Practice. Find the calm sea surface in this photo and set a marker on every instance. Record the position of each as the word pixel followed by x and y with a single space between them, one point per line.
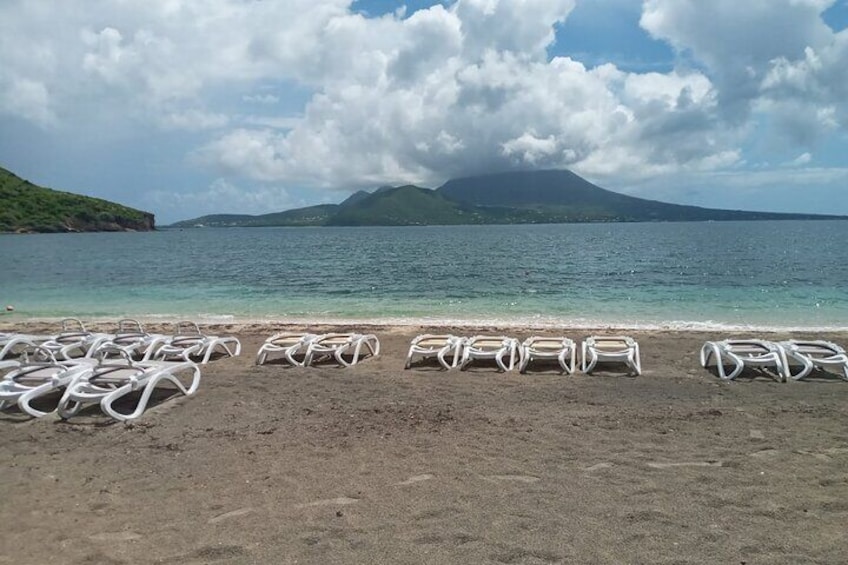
pixel 678 275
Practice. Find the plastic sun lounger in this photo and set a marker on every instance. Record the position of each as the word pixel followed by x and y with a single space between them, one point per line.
pixel 113 379
pixel 440 346
pixel 812 354
pixel 132 340
pixel 74 340
pixel 13 344
pixel 560 348
pixel 337 345
pixel 742 353
pixel 188 342
pixel 290 344
pixel 31 379
pixel 621 349
pixel 490 347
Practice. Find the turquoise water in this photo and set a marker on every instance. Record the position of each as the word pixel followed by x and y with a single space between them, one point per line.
pixel 677 275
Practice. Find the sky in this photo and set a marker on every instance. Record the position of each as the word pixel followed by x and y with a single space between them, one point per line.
pixel 191 107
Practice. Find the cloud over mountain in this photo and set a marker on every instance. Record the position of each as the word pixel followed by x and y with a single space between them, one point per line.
pixel 319 95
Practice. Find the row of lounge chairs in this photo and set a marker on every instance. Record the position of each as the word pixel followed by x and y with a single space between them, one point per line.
pixel 95 367
pixel 187 343
pixel 89 367
pixel 780 357
pixel 452 351
pixel 304 349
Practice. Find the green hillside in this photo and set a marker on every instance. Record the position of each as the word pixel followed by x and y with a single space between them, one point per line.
pixel 309 216
pixel 506 198
pixel 31 208
pixel 401 206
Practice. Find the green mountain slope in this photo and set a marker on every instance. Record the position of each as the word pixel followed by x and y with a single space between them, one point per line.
pixel 505 198
pixel 309 216
pixel 562 196
pixel 27 207
pixel 401 206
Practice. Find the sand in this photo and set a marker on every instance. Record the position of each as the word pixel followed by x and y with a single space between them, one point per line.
pixel 374 464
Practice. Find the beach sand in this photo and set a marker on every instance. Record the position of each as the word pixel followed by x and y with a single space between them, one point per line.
pixel 375 464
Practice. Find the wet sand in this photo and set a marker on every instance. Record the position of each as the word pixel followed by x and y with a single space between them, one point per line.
pixel 376 464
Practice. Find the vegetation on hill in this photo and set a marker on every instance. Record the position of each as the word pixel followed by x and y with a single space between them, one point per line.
pixel 309 216
pixel 505 198
pixel 401 206
pixel 31 208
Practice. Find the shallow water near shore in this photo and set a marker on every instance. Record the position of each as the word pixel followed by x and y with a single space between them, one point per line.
pixel 774 275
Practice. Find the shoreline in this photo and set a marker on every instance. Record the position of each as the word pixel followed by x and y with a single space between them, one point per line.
pixel 12 321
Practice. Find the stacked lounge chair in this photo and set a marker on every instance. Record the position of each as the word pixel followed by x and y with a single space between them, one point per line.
pixel 741 354
pixel 503 349
pixel 292 345
pixel 37 373
pixel 441 346
pixel 188 343
pixel 114 378
pixel 562 349
pixel 615 349
pixel 813 354
pixel 346 348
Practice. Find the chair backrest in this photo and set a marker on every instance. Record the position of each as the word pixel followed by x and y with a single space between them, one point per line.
pixel 72 325
pixel 129 326
pixel 186 327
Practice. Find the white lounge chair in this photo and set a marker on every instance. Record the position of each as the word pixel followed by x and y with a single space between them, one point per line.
pixel 439 346
pixel 337 345
pixel 74 340
pixel 812 354
pixel 290 344
pixel 562 349
pixel 742 353
pixel 113 379
pixel 189 342
pixel 12 344
pixel 614 349
pixel 490 347
pixel 132 339
pixel 35 375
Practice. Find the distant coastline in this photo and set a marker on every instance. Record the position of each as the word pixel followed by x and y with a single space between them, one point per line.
pixel 520 197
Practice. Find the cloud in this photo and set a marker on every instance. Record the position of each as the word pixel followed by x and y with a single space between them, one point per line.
pixel 221 196
pixel 776 57
pixel 314 94
pixel 800 160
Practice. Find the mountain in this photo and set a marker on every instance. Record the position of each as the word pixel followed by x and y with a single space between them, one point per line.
pixel 400 206
pixel 29 208
pixel 549 196
pixel 562 196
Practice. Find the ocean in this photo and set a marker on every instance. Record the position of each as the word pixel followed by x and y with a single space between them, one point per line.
pixel 702 275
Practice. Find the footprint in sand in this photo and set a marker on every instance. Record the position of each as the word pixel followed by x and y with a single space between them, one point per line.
pixel 415 479
pixel 340 501
pixel 231 514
